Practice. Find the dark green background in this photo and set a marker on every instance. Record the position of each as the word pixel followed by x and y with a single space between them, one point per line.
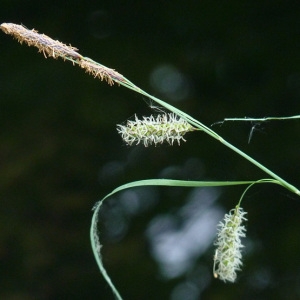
pixel 60 152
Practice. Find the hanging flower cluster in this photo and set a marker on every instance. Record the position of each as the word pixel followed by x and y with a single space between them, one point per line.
pixel 228 255
pixel 168 128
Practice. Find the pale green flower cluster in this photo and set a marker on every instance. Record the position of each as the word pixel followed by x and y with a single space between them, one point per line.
pixel 228 255
pixel 168 128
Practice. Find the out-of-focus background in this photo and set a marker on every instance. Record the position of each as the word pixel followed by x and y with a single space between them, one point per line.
pixel 60 151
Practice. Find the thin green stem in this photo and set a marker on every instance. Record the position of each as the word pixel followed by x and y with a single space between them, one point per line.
pixel 266 180
pixel 246 119
pixel 262 167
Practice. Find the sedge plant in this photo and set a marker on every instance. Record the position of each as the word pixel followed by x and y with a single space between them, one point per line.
pixel 166 127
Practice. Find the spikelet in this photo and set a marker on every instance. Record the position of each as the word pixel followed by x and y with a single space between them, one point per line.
pixel 228 255
pixel 99 71
pixel 55 49
pixel 164 128
pixel 46 45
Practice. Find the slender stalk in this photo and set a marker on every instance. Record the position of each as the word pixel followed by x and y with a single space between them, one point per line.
pixel 246 119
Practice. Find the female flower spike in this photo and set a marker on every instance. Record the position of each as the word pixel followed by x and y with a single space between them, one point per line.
pixel 228 255
pixel 168 128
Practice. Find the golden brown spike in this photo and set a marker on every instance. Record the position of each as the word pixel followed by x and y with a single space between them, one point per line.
pixel 55 49
pixel 46 45
pixel 101 72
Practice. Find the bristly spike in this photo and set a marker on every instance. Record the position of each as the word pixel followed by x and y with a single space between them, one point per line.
pixel 228 257
pixel 155 130
pixel 45 44
pixel 55 49
pixel 99 71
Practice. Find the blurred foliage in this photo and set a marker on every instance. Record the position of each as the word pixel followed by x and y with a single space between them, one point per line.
pixel 60 152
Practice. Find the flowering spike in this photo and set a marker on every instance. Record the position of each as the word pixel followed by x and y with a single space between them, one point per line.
pixel 45 44
pixel 55 49
pixel 166 127
pixel 227 259
pixel 99 71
